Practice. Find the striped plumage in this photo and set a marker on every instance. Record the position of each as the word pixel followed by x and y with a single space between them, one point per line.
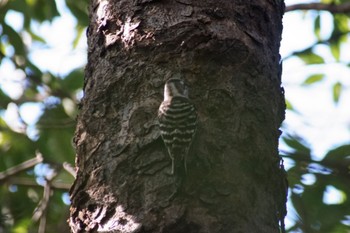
pixel 177 121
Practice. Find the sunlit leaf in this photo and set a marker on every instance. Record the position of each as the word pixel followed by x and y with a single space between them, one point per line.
pixel 317 27
pixel 341 23
pixel 80 32
pixel 340 228
pixel 313 79
pixel 36 37
pixel 309 57
pixel 22 226
pixel 289 105
pixel 337 89
pixel 335 49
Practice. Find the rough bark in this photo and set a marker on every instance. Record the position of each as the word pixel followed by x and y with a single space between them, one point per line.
pixel 228 53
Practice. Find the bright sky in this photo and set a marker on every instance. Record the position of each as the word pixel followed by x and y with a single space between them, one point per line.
pixel 321 122
pixel 57 56
pixel 317 119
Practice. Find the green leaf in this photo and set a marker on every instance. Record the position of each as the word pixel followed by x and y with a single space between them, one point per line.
pixel 14 39
pixel 40 10
pixel 341 23
pixel 56 130
pixel 80 33
pixel 309 57
pixel 14 147
pixel 33 72
pixel 79 10
pixel 36 37
pixel 313 79
pixel 338 154
pixel 298 144
pixel 20 5
pixel 22 226
pixel 337 89
pixel 289 105
pixel 45 10
pixel 335 50
pixel 73 81
pixel 317 27
pixel 4 100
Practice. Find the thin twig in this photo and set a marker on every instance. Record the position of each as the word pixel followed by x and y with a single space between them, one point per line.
pixel 21 167
pixel 70 169
pixel 31 183
pixel 41 211
pixel 42 224
pixel 339 8
pixel 334 167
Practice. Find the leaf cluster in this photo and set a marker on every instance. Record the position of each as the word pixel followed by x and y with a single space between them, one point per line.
pixel 314 182
pixel 334 42
pixel 52 99
pixel 310 181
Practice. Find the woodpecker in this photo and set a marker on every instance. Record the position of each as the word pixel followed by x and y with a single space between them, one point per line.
pixel 177 121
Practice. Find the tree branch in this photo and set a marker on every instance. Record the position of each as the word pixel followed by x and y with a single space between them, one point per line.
pixel 332 8
pixel 21 167
pixel 31 183
pixel 333 167
pixel 41 210
pixel 70 169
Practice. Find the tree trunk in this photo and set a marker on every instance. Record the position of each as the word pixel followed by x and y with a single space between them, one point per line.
pixel 228 54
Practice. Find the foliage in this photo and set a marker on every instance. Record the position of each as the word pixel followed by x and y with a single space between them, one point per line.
pixel 334 41
pixel 319 187
pixel 33 152
pixel 23 143
pixel 310 183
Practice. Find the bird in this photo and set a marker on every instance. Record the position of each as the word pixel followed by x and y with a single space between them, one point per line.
pixel 177 122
